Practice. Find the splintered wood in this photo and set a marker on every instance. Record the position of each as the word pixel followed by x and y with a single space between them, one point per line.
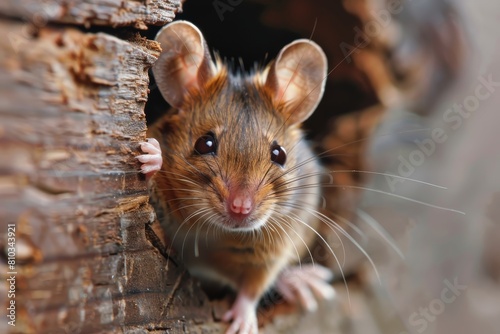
pixel 137 13
pixel 71 119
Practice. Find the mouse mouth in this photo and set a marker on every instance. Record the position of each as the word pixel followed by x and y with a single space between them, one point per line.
pixel 242 223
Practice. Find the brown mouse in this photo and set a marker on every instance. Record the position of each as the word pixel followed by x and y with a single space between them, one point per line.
pixel 230 167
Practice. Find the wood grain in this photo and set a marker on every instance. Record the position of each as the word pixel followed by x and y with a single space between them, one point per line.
pixel 136 13
pixel 72 116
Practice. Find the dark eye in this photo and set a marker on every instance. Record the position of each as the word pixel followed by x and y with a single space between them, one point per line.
pixel 206 145
pixel 278 155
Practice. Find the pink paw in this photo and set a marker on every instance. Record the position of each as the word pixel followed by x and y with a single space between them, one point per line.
pixel 243 314
pixel 152 161
pixel 302 284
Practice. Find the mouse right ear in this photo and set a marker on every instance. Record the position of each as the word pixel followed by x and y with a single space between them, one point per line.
pixel 184 63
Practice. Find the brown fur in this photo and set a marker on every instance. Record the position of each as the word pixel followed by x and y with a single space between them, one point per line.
pixel 246 120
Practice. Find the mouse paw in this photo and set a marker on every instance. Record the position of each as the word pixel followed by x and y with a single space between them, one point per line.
pixel 152 161
pixel 302 283
pixel 243 316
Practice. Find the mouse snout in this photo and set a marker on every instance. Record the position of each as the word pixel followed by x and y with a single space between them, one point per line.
pixel 240 204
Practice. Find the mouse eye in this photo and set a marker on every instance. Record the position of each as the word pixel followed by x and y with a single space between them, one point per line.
pixel 278 155
pixel 206 144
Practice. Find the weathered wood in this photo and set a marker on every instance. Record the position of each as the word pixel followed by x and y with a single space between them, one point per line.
pixel 137 13
pixel 71 111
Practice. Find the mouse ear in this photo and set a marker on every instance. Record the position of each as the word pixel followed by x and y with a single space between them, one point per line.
pixel 184 62
pixel 297 77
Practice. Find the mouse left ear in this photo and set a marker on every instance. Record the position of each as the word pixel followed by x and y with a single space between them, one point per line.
pixel 297 78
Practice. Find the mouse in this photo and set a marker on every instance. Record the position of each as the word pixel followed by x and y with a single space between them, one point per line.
pixel 230 169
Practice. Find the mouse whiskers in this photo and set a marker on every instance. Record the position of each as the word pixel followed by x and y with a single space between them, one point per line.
pixel 299 220
pixel 279 225
pixel 198 228
pixel 203 213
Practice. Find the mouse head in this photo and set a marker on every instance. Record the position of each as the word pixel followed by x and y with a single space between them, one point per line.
pixel 232 145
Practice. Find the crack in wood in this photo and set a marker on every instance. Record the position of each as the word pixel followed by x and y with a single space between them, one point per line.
pixel 174 290
pixel 156 243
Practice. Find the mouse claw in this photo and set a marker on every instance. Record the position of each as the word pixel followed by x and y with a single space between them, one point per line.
pixel 243 316
pixel 152 161
pixel 305 284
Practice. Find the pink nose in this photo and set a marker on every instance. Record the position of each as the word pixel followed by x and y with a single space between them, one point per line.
pixel 241 204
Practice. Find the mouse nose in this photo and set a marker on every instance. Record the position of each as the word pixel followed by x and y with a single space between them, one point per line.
pixel 241 204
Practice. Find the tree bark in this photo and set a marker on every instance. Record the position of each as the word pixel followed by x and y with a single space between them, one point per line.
pixel 137 13
pixel 88 257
